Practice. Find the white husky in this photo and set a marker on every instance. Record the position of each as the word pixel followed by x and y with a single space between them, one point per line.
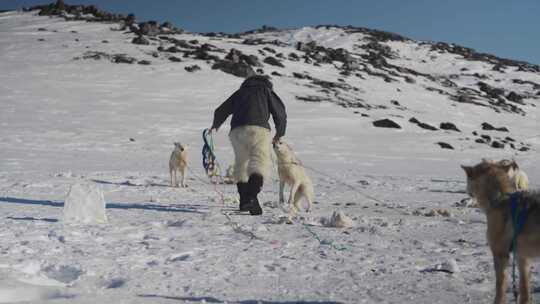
pixel 178 162
pixel 291 172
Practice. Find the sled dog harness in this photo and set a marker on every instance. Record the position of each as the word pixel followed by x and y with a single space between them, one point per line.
pixel 518 210
pixel 209 161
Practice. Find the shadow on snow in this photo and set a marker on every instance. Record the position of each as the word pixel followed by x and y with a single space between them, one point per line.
pixel 186 208
pixel 214 300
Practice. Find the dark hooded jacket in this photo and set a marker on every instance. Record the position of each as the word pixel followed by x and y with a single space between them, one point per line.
pixel 252 104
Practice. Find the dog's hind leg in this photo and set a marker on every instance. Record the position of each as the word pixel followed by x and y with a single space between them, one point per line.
pixel 292 196
pixel 281 192
pixel 524 279
pixel 309 200
pixel 298 198
pixel 183 177
pixel 500 262
pixel 171 174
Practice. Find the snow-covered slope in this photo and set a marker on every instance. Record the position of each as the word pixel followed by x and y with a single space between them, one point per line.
pixel 66 117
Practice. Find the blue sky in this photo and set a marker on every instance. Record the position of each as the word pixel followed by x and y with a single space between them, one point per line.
pixel 506 28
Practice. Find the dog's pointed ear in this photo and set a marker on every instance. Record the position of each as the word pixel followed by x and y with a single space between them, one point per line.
pixel 468 170
pixel 514 164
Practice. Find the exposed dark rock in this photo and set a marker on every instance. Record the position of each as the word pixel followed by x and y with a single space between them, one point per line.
pixel 523 149
pixel 173 49
pixel 515 97
pixel 471 54
pixel 534 84
pixel 379 49
pixel 422 125
pixel 273 61
pixel 42 29
pixel 168 28
pixel 498 67
pixel 174 59
pixel 448 83
pixel 276 74
pixel 489 90
pixel 140 40
pixel 331 85
pixel 144 62
pixel 252 60
pixel 179 42
pixel 445 145
pixel 496 144
pixel 96 55
pixel 312 98
pixel 487 138
pixel 192 68
pixel 480 141
pixel 488 127
pixel 293 57
pixel 201 53
pixel 149 28
pixel 268 49
pixel 306 47
pixel 237 56
pixel 260 71
pixel 386 123
pixel 448 126
pixel 508 138
pixel 237 69
pixel 104 41
pixel 301 76
pixel 123 58
pixel 258 41
pixel 377 35
pixel 409 79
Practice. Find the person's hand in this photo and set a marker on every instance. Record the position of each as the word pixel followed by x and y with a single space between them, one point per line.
pixel 211 131
pixel 276 139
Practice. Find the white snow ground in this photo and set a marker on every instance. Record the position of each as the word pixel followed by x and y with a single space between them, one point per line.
pixel 63 121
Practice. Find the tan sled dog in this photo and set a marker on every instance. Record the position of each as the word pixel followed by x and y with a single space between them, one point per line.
pixel 291 172
pixel 516 174
pixel 489 183
pixel 178 162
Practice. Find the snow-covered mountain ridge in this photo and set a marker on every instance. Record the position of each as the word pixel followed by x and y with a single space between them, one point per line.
pixel 372 72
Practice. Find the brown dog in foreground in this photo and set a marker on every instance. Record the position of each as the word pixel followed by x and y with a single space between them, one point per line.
pixel 489 183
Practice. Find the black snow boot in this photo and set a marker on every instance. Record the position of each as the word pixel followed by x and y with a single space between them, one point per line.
pixel 244 197
pixel 255 184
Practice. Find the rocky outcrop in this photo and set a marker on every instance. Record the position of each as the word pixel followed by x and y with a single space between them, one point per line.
pixel 445 145
pixel 471 54
pixel 238 69
pixel 422 125
pixel 273 61
pixel 386 123
pixel 448 126
pixel 488 127
pixel 140 40
pixel 192 68
pixel 236 56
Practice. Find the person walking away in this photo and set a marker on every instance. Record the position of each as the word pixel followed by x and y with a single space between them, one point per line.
pixel 251 107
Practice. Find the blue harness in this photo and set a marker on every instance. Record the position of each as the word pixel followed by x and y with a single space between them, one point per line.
pixel 519 215
pixel 518 208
